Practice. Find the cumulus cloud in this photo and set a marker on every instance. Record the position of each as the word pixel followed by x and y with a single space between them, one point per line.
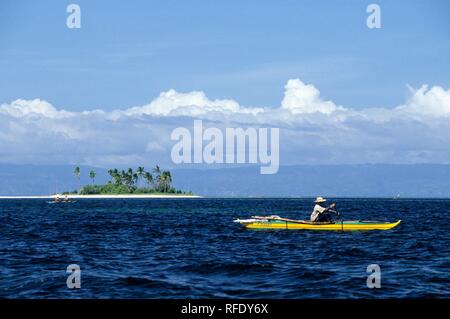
pixel 312 129
pixel 428 102
pixel 300 98
pixel 173 103
pixel 36 107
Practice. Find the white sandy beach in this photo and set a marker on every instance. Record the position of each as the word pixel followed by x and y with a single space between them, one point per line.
pixel 101 196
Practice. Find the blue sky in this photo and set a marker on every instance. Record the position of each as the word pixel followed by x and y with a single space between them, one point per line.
pixel 112 92
pixel 125 54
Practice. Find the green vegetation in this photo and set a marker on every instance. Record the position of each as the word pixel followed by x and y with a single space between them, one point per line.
pixel 129 182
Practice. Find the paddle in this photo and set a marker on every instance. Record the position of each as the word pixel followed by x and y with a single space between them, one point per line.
pixel 339 217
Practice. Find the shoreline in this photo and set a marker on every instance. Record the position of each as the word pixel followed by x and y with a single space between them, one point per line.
pixel 118 196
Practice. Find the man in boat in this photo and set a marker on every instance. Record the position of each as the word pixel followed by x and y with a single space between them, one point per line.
pixel 320 213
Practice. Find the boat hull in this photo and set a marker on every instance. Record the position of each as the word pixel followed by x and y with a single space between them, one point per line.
pixel 337 226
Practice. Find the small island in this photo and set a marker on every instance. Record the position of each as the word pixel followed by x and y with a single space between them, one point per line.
pixel 128 184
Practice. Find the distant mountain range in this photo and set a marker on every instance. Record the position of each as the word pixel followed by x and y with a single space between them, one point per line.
pixel 378 180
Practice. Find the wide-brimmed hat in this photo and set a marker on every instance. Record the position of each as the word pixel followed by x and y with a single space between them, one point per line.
pixel 320 200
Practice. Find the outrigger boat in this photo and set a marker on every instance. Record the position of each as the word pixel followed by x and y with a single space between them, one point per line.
pixel 277 222
pixel 62 202
pixel 58 200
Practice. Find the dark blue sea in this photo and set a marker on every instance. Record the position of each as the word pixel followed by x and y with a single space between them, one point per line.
pixel 190 248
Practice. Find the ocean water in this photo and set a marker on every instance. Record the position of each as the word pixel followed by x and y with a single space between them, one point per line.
pixel 190 248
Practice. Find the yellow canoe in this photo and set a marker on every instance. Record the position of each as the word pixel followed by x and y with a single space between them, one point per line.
pixel 348 225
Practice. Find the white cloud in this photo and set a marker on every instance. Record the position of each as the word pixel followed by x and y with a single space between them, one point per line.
pixel 172 103
pixel 429 102
pixel 313 130
pixel 36 107
pixel 300 98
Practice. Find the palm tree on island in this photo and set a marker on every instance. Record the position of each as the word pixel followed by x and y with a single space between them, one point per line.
pixel 166 181
pixel 149 178
pixel 77 173
pixel 158 172
pixel 140 172
pixel 92 175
